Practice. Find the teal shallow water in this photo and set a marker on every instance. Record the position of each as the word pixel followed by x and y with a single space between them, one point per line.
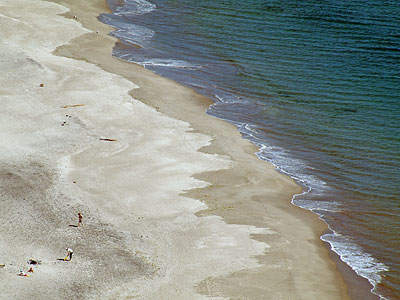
pixel 315 84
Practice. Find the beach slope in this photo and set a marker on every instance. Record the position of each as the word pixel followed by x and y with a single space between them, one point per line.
pixel 175 204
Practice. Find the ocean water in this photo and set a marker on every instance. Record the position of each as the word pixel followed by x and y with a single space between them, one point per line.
pixel 315 84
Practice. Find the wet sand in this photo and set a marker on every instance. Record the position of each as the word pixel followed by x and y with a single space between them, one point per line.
pixel 175 204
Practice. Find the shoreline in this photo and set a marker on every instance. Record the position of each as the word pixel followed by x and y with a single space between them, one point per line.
pixel 352 276
pixel 253 200
pixel 206 102
pixel 359 287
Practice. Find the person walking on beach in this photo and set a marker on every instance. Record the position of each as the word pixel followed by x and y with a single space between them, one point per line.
pixel 69 254
pixel 80 219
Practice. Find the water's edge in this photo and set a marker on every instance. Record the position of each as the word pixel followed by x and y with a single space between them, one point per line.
pixel 349 253
pixel 350 275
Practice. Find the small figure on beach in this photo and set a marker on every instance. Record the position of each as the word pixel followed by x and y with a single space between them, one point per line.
pixel 80 219
pixel 22 273
pixel 30 270
pixel 69 254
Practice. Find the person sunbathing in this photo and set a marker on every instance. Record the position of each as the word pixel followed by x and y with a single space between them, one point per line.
pixel 22 273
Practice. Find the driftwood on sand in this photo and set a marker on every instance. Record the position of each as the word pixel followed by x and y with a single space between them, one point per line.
pixel 73 105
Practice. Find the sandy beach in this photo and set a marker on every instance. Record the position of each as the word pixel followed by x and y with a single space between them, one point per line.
pixel 175 203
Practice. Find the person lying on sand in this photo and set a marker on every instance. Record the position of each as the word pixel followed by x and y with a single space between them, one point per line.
pixel 22 273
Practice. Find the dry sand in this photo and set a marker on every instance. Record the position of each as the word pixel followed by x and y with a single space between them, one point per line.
pixel 178 207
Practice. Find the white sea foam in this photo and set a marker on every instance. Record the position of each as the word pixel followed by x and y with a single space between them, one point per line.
pixel 281 159
pixel 284 162
pixel 129 32
pixel 318 207
pixel 361 262
pixel 135 7
pixel 168 63
pixel 230 98
pixel 364 264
